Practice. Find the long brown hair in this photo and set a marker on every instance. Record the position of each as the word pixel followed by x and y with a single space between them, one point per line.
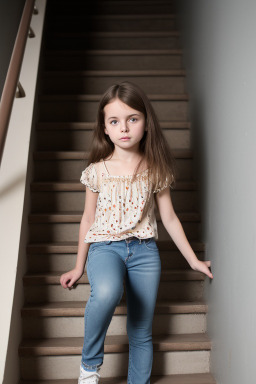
pixel 153 147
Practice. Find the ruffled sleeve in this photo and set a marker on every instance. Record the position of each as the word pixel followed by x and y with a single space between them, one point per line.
pixel 89 178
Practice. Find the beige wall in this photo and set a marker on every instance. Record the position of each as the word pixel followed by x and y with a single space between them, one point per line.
pixel 15 178
pixel 220 58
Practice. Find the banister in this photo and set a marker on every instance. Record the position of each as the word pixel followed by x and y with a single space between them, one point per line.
pixel 13 73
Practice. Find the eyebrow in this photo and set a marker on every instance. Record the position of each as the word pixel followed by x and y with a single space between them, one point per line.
pixel 133 114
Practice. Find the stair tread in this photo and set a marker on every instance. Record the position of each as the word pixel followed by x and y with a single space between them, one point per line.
pixel 77 186
pixel 192 378
pixel 79 155
pixel 112 344
pixel 84 97
pixel 110 52
pixel 125 72
pixel 53 278
pixel 76 308
pixel 75 217
pixel 106 34
pixel 71 247
pixel 130 16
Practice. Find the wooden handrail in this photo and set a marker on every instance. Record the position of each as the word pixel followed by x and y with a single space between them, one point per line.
pixel 13 73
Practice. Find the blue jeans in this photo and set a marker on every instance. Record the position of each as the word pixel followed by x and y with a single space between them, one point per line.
pixel 108 263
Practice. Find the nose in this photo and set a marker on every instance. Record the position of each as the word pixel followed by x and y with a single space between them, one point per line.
pixel 124 127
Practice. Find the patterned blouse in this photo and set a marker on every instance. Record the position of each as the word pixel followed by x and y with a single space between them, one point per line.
pixel 120 206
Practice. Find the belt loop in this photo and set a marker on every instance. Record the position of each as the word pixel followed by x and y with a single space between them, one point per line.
pixel 140 241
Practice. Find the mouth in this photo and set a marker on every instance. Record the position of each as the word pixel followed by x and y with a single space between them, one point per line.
pixel 125 138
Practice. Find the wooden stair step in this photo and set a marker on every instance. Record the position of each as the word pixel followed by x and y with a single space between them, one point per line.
pixel 72 246
pixel 110 52
pixel 168 16
pixel 113 344
pixel 62 186
pixel 53 278
pixel 76 308
pixel 192 378
pixel 82 97
pixel 131 34
pixel 75 217
pixel 109 73
pixel 80 155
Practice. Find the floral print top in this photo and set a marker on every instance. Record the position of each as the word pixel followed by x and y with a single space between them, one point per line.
pixel 120 206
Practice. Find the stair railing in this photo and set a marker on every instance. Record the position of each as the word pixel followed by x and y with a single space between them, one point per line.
pixel 12 78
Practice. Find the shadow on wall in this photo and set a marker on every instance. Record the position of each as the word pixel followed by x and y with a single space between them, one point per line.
pixel 10 15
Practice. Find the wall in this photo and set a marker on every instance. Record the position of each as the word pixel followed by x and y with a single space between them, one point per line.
pixel 10 15
pixel 220 58
pixel 15 178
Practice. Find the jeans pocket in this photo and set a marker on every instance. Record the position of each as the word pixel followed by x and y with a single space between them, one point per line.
pixel 97 245
pixel 150 244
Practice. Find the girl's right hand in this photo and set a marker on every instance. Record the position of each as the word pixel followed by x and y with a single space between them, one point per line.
pixel 69 278
pixel 203 266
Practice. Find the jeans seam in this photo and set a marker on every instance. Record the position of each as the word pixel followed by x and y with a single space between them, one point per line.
pixel 130 364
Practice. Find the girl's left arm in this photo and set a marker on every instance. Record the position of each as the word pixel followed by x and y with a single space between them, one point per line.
pixel 173 226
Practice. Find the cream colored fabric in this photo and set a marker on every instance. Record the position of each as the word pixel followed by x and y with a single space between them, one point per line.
pixel 120 209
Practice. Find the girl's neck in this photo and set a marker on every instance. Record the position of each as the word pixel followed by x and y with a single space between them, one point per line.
pixel 116 166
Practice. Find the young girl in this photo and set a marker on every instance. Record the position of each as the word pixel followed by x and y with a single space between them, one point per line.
pixel 130 169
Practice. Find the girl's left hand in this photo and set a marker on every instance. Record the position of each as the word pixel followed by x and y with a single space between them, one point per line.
pixel 202 266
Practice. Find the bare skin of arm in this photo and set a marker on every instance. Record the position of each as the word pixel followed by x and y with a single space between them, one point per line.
pixel 173 226
pixel 69 278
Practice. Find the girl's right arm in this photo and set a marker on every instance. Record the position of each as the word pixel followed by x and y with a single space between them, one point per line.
pixel 69 278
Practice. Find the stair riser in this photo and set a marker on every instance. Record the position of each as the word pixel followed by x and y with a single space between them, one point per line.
pixel 94 42
pixel 114 24
pixel 55 232
pixel 113 62
pixel 51 263
pixel 99 84
pixel 48 327
pixel 86 111
pixel 115 364
pixel 81 140
pixel 63 170
pixel 178 290
pixel 59 201
pixel 115 8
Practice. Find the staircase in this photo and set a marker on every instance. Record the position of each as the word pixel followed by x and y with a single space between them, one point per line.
pixel 88 47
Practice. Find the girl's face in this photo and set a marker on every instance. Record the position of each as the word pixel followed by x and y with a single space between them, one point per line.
pixel 123 121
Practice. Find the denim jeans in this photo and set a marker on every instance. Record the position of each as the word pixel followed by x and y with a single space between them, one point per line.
pixel 108 264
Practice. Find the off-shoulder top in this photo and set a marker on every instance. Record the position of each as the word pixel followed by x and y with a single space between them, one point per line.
pixel 121 211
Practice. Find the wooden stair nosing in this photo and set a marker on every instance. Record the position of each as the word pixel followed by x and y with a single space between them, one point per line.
pixel 73 125
pixel 84 97
pixel 53 278
pixel 191 378
pixel 113 344
pixel 118 34
pixel 70 247
pixel 114 73
pixel 76 308
pixel 122 2
pixel 80 155
pixel 67 186
pixel 75 217
pixel 122 16
pixel 114 52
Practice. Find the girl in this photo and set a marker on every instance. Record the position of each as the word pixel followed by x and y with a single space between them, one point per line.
pixel 130 169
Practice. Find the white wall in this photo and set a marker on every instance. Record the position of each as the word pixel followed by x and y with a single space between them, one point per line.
pixel 220 58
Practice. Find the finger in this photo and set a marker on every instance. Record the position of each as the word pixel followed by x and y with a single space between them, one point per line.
pixel 210 274
pixel 208 263
pixel 70 285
